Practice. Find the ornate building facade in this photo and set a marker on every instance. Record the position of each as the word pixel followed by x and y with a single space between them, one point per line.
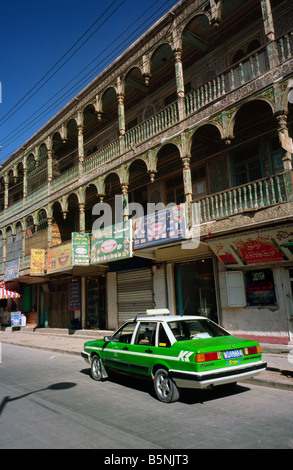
pixel 198 111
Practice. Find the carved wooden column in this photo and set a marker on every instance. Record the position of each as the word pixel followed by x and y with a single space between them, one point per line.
pixel 81 216
pixel 187 179
pixel 124 188
pixel 269 30
pixel 80 149
pixel 179 83
pixel 49 168
pixel 121 114
pixel 49 220
pixel 5 192
pixel 287 145
pixel 285 140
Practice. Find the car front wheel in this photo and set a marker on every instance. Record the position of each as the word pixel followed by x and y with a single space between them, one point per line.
pixel 96 368
pixel 165 388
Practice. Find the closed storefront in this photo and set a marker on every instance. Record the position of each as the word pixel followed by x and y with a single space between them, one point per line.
pixel 134 292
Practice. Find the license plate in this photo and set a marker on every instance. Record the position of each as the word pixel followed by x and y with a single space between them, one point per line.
pixel 232 354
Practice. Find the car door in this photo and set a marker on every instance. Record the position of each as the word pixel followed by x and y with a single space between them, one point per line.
pixel 116 352
pixel 141 351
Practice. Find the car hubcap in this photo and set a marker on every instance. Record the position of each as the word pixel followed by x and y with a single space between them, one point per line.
pixel 163 386
pixel 96 368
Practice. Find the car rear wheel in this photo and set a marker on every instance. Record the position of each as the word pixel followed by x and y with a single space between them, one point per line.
pixel 96 368
pixel 165 388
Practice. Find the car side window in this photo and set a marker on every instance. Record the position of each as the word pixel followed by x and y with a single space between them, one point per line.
pixel 146 334
pixel 125 333
pixel 163 338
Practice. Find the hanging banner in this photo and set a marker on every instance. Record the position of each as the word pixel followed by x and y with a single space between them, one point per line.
pixel 262 247
pixel 161 227
pixel 74 294
pixel 112 243
pixel 37 265
pixel 59 258
pixel 80 249
pixel 11 270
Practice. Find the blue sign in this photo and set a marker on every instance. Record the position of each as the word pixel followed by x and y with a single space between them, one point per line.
pixel 15 318
pixel 160 227
pixel 11 270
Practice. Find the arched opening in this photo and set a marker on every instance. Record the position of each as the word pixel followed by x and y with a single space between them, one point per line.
pixel 91 198
pixel 138 184
pixel 208 175
pixel 112 189
pixel 255 150
pixel 170 175
pixel 91 127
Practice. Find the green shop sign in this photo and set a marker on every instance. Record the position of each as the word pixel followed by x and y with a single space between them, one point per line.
pixel 80 249
pixel 112 243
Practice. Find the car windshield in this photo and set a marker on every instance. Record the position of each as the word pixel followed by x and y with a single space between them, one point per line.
pixel 196 329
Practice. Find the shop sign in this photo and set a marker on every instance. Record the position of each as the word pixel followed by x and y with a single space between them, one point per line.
pixel 74 293
pixel 160 227
pixel 59 258
pixel 262 247
pixel 11 270
pixel 80 249
pixel 260 288
pixel 15 318
pixel 37 265
pixel 112 243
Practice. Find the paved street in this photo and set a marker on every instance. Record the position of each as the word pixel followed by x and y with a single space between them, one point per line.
pixel 48 400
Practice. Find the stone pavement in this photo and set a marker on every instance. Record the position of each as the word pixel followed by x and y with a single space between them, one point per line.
pixel 279 358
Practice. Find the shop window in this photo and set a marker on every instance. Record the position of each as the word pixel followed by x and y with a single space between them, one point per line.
pixel 260 287
pixel 195 289
pixel 246 165
pixel 96 313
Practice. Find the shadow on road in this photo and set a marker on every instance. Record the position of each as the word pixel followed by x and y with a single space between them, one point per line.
pixel 58 386
pixel 189 397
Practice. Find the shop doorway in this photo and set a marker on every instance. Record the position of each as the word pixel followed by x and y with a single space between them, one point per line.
pixel 96 312
pixel 195 289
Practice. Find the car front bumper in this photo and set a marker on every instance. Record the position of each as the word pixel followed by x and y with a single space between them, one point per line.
pixel 85 356
pixel 208 379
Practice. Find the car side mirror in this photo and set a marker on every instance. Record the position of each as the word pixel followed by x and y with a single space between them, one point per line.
pixel 107 338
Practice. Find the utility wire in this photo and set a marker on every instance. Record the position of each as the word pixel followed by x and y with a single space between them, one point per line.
pixel 52 68
pixel 6 140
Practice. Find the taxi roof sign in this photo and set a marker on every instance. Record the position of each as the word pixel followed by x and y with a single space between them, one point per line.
pixel 158 311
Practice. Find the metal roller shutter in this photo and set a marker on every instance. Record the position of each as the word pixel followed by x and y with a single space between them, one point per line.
pixel 135 293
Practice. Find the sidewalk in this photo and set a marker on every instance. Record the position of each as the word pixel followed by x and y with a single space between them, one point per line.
pixel 279 358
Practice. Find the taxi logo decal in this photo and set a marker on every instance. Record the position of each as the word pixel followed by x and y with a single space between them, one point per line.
pixel 184 356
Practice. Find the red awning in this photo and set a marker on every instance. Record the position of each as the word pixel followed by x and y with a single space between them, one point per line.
pixel 8 294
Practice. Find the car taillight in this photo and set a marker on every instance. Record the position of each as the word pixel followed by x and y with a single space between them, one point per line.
pixel 252 350
pixel 205 357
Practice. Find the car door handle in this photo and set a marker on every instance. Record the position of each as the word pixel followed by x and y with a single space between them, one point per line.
pixel 125 348
pixel 148 350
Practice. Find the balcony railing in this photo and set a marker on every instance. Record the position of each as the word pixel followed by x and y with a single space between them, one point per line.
pixel 241 73
pixel 252 196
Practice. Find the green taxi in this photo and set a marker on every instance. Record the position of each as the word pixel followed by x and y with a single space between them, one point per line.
pixel 174 352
